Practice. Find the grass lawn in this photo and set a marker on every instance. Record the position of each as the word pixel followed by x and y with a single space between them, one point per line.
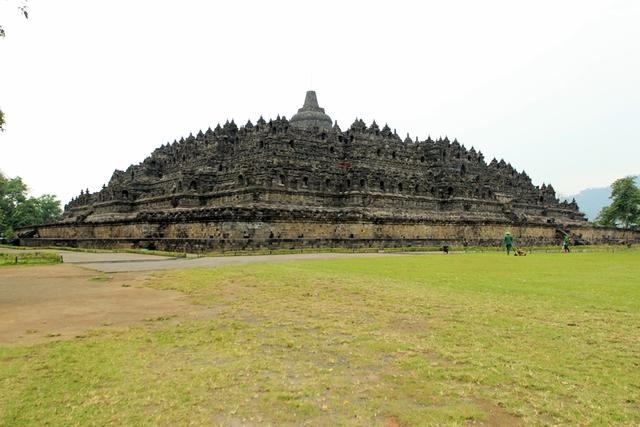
pixel 414 340
pixel 29 258
pixel 92 250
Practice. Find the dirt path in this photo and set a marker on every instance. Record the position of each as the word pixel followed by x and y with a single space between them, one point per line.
pixel 54 302
pixel 110 262
pixel 44 303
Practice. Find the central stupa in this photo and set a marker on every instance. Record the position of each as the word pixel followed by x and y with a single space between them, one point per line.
pixel 311 114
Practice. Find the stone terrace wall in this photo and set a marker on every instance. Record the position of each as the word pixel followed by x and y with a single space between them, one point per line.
pixel 199 236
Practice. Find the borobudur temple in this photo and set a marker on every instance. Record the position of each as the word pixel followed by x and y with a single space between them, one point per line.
pixel 304 183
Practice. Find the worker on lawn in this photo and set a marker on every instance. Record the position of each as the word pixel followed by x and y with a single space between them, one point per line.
pixel 508 241
pixel 565 244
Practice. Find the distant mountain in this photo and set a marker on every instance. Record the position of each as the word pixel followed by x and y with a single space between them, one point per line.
pixel 592 200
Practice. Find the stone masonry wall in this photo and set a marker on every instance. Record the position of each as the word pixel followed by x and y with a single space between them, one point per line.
pixel 239 235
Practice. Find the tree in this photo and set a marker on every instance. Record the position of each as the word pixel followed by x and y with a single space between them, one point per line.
pixel 18 210
pixel 22 6
pixel 625 207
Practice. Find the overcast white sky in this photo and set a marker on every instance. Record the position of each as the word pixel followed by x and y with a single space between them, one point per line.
pixel 551 86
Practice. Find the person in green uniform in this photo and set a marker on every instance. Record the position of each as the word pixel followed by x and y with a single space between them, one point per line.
pixel 565 243
pixel 508 241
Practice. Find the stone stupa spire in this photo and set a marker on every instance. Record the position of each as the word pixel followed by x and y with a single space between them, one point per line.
pixel 311 115
pixel 311 102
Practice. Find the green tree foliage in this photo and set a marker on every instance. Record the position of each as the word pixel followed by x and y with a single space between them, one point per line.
pixel 18 210
pixel 22 7
pixel 625 207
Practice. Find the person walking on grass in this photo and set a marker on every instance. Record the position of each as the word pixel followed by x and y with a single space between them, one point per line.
pixel 565 244
pixel 508 241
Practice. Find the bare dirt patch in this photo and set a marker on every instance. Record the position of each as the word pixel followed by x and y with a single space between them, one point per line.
pixel 496 415
pixel 392 422
pixel 45 303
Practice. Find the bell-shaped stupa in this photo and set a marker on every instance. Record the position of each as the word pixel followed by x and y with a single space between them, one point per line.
pixel 311 115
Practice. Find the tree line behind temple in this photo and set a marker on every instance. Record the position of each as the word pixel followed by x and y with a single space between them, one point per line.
pixel 19 210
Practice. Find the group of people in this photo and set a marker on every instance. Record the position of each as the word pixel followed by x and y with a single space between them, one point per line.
pixel 508 242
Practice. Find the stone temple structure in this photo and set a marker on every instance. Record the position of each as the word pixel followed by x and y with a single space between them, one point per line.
pixel 305 182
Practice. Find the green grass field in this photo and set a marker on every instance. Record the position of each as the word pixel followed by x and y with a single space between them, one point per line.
pixel 92 250
pixel 547 339
pixel 29 258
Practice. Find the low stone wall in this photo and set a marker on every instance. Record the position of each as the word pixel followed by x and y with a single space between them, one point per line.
pixel 225 234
